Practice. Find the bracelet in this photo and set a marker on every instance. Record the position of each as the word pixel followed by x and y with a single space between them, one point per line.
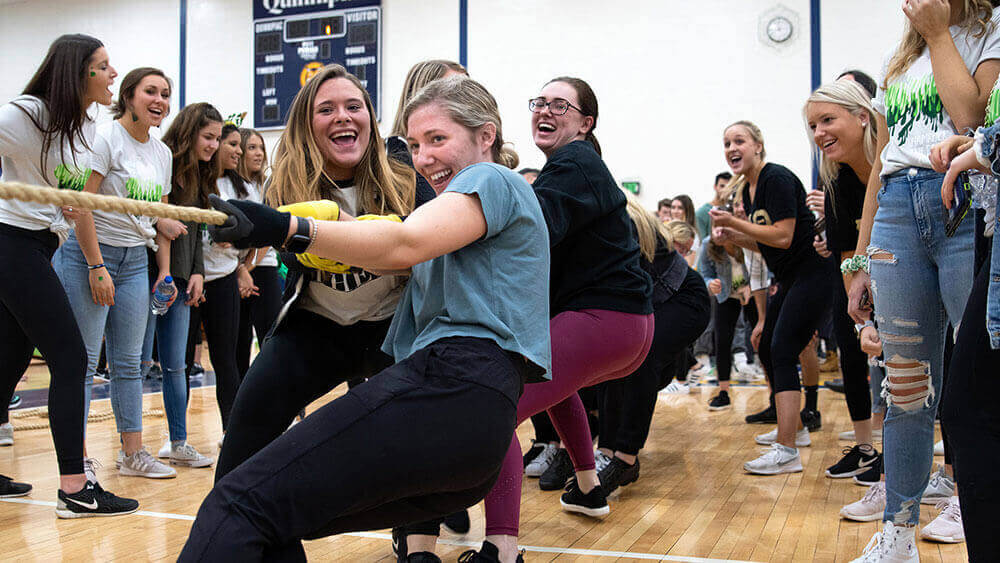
pixel 95 266
pixel 854 263
pixel 313 231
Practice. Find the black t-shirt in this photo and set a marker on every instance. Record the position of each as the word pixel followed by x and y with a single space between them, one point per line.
pixel 779 196
pixel 844 213
pixel 595 250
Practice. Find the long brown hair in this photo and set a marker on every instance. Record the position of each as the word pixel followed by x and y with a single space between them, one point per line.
pixel 192 179
pixel 127 89
pixel 259 176
pixel 419 76
pixel 60 83
pixel 975 18
pixel 384 185
pixel 588 103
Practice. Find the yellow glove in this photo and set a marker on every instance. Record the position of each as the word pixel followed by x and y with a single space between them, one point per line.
pixel 323 209
pixel 327 265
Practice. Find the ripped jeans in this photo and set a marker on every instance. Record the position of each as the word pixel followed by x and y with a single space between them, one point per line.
pixel 921 279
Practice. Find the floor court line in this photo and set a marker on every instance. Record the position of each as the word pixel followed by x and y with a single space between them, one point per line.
pixel 381 536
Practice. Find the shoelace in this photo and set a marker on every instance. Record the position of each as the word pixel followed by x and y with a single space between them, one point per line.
pixel 950 509
pixel 873 550
pixel 874 492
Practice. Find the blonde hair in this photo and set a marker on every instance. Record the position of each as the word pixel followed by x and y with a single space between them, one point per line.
pixel 681 232
pixel 851 96
pixel 420 75
pixel 975 17
pixel 734 189
pixel 384 185
pixel 647 226
pixel 469 104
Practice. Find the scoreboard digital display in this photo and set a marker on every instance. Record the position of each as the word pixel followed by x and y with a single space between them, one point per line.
pixel 295 39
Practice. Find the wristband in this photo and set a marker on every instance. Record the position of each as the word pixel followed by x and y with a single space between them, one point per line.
pixel 303 237
pixel 854 263
pixel 95 266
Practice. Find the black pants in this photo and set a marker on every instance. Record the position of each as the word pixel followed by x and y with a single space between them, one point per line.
pixel 793 314
pixel 727 314
pixel 304 359
pixel 627 404
pixel 853 362
pixel 257 313
pixel 35 312
pixel 545 432
pixel 422 439
pixel 970 417
pixel 220 313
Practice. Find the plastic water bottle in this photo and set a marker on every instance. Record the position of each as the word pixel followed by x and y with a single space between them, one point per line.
pixel 161 296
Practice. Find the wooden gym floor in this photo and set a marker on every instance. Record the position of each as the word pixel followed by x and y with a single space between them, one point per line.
pixel 693 502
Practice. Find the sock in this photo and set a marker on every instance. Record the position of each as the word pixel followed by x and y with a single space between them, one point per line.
pixel 811 396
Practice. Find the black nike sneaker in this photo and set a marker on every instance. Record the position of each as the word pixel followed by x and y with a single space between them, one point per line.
pixel 10 488
pixel 870 477
pixel 560 470
pixel 594 503
pixel 93 500
pixel 766 416
pixel 486 554
pixel 856 461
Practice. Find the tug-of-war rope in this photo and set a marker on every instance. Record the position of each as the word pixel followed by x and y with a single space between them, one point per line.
pixel 87 200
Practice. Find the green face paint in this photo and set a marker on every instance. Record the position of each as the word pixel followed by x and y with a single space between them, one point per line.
pixel 100 278
pixel 92 73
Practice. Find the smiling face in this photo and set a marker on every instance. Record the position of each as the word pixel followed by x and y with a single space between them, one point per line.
pixel 341 126
pixel 742 151
pixel 442 147
pixel 208 141
pixel 230 151
pixel 98 78
pixel 151 101
pixel 837 132
pixel 552 132
pixel 254 154
pixel 677 210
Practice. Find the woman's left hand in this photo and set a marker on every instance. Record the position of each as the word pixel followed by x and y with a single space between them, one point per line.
pixel 965 161
pixel 74 213
pixel 929 18
pixel 245 282
pixel 721 218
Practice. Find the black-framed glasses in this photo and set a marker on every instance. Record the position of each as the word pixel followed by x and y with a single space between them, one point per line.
pixel 557 106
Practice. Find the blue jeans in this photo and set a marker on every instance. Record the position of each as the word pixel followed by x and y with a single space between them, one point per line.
pixel 921 280
pixel 171 330
pixel 122 325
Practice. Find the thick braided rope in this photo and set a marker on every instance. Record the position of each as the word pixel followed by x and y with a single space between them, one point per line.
pixel 87 200
pixel 41 416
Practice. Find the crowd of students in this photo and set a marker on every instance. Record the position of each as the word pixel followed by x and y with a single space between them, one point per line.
pixel 442 286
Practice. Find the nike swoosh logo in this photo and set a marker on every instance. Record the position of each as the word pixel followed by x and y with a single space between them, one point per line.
pixel 862 463
pixel 91 505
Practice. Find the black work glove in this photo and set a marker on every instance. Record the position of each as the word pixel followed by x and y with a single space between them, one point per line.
pixel 250 225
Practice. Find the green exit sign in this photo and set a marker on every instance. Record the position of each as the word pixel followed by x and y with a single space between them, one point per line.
pixel 632 186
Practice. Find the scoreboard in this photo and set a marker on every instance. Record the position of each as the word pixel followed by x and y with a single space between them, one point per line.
pixel 294 39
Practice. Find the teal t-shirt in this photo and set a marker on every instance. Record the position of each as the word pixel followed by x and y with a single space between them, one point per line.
pixel 496 288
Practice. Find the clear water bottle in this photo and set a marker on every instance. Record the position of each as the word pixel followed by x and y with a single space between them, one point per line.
pixel 161 295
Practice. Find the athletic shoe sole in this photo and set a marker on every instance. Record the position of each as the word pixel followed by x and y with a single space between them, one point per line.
pixel 861 483
pixel 933 500
pixel 131 473
pixel 66 514
pixel 942 539
pixel 856 518
pixel 797 443
pixel 7 442
pixel 796 468
pixel 191 463
pixel 16 495
pixel 848 474
pixel 722 408
pixel 600 512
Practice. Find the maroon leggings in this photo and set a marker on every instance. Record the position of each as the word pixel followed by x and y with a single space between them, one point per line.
pixel 588 347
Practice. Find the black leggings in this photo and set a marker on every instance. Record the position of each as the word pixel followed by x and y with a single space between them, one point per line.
pixel 257 313
pixel 793 314
pixel 220 314
pixel 727 314
pixel 971 420
pixel 627 404
pixel 853 362
pixel 397 449
pixel 304 359
pixel 35 312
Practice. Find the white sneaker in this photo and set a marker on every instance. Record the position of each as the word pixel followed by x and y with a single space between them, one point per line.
pixel 90 467
pixel 164 452
pixel 870 508
pixel 739 358
pixel 186 455
pixel 894 544
pixel 677 388
pixel 142 464
pixel 940 487
pixel 6 434
pixel 850 437
pixel 542 461
pixel 802 439
pixel 600 460
pixel 939 447
pixel 947 527
pixel 777 459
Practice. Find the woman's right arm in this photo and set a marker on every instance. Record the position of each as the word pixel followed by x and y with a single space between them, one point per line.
pixel 102 289
pixel 861 281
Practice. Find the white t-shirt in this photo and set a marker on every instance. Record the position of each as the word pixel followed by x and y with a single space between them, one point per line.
pixel 355 296
pixel 256 195
pixel 20 157
pixel 132 170
pixel 913 110
pixel 219 262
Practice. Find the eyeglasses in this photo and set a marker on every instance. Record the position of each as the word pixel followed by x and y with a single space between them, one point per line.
pixel 557 106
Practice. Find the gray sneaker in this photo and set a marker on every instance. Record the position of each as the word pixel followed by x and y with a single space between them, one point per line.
pixel 6 434
pixel 939 487
pixel 142 464
pixel 186 455
pixel 90 467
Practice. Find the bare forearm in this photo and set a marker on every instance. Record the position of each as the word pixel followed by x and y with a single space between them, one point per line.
pixel 869 209
pixel 771 235
pixel 86 236
pixel 372 245
pixel 760 301
pixel 959 92
pixel 163 254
